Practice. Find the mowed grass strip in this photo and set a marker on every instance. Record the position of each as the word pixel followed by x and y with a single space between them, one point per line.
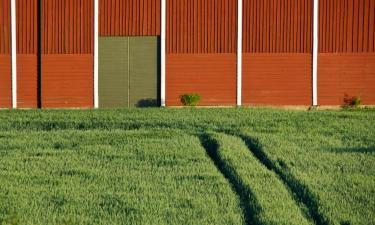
pixel 269 200
pixel 111 177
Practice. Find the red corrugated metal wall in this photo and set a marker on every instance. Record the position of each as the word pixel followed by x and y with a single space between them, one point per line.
pixel 67 53
pixel 201 50
pixel 346 64
pixel 213 76
pixel 5 66
pixel 277 43
pixel 129 18
pixel 4 27
pixel 27 50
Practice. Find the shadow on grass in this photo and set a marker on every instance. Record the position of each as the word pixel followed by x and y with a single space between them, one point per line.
pixel 248 202
pixel 353 150
pixel 301 193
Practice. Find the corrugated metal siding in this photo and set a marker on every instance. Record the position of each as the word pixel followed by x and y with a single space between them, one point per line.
pixel 5 67
pixel 277 42
pixel 129 18
pixel 5 82
pixel 67 81
pixel 27 81
pixel 277 26
pixel 350 73
pixel 201 50
pixel 346 26
pixel 201 26
pixel 4 27
pixel 277 79
pixel 346 63
pixel 213 76
pixel 67 53
pixel 27 50
pixel 67 26
pixel 27 25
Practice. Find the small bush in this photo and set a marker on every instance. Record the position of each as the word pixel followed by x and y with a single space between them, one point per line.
pixel 352 102
pixel 190 99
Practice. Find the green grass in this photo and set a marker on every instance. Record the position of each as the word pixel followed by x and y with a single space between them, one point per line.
pixel 269 200
pixel 333 162
pixel 153 166
pixel 112 177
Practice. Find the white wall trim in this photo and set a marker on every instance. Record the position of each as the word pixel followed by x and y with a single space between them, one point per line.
pixel 96 53
pixel 315 53
pixel 163 51
pixel 239 53
pixel 14 52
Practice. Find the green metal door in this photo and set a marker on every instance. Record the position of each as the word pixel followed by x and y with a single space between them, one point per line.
pixel 143 71
pixel 128 72
pixel 113 72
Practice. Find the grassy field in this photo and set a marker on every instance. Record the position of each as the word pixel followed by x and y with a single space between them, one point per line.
pixel 187 166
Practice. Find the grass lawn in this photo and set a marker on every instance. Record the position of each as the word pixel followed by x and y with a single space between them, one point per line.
pixel 187 166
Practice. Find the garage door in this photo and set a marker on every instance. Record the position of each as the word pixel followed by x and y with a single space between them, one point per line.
pixel 128 72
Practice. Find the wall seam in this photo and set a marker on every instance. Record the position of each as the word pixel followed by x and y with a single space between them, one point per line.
pixel 315 53
pixel 239 53
pixel 14 52
pixel 96 53
pixel 163 52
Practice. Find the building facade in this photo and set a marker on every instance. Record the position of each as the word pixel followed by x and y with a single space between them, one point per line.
pixel 135 53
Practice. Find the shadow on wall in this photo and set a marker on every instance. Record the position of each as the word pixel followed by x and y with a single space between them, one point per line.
pixel 147 103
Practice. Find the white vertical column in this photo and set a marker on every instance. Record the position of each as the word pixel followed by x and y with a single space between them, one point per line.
pixel 14 52
pixel 239 54
pixel 96 53
pixel 163 50
pixel 315 53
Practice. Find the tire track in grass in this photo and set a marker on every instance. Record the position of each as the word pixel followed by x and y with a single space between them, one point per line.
pixel 301 193
pixel 273 202
pixel 248 201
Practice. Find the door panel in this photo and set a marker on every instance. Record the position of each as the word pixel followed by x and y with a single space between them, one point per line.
pixel 128 72
pixel 143 71
pixel 113 72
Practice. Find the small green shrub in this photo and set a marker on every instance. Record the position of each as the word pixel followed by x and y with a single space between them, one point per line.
pixel 352 102
pixel 190 99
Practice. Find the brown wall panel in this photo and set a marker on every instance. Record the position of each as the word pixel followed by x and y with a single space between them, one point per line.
pixel 5 64
pixel 27 22
pixel 129 18
pixel 67 53
pixel 5 82
pixel 277 44
pixel 277 26
pixel 27 81
pixel 27 50
pixel 67 81
pixel 277 79
pixel 67 26
pixel 4 27
pixel 346 63
pixel 213 76
pixel 201 26
pixel 346 26
pixel 346 73
pixel 201 50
